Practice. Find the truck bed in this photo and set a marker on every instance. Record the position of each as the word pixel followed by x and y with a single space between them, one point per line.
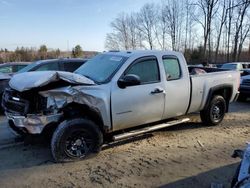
pixel 201 83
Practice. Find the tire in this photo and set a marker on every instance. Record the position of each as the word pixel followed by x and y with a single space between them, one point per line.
pixel 215 111
pixel 242 98
pixel 75 139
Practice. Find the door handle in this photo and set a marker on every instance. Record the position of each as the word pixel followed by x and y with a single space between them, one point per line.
pixel 157 90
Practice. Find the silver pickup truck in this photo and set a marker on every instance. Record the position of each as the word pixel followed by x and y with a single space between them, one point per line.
pixel 116 95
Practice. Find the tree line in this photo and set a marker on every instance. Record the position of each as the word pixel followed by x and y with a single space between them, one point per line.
pixel 33 54
pixel 204 30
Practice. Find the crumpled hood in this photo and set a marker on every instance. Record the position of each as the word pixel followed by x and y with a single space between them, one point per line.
pixel 28 80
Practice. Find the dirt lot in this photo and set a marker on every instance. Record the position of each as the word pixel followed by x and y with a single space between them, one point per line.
pixel 187 155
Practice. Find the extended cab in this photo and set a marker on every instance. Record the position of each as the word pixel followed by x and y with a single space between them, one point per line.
pixel 116 94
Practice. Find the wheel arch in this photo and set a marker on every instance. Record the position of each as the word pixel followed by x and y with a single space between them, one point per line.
pixel 75 110
pixel 224 90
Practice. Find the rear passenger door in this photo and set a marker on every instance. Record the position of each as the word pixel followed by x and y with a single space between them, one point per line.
pixel 177 87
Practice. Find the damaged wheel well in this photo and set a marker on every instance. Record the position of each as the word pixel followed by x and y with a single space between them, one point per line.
pixel 75 110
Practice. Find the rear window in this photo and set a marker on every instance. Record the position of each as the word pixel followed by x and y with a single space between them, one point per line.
pixel 72 66
pixel 48 67
pixel 172 68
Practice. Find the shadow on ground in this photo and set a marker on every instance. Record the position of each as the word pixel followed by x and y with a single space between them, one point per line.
pixel 35 151
pixel 222 175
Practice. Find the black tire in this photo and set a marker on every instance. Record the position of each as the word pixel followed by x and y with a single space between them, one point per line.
pixel 215 112
pixel 75 139
pixel 242 98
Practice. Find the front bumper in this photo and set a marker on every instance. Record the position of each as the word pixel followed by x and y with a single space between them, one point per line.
pixel 33 124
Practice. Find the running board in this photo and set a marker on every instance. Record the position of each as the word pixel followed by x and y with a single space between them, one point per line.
pixel 148 129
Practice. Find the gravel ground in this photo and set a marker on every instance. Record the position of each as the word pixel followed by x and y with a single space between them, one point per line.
pixel 187 155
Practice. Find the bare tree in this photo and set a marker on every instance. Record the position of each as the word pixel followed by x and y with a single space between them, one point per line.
pixel 120 25
pixel 222 20
pixel 133 31
pixel 146 19
pixel 239 23
pixel 208 10
pixel 112 42
pixel 229 26
pixel 244 33
pixel 161 28
pixel 125 33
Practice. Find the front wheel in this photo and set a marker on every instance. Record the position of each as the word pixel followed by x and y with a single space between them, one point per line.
pixel 75 139
pixel 215 112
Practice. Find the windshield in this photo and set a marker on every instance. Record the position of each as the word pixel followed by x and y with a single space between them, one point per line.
pixel 102 67
pixel 28 68
pixel 229 66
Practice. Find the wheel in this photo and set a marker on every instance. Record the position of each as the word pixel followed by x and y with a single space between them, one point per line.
pixel 242 98
pixel 215 111
pixel 75 139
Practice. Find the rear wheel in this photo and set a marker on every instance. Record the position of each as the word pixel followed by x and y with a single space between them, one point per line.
pixel 75 139
pixel 215 111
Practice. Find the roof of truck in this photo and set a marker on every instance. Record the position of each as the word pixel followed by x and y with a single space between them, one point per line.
pixel 130 53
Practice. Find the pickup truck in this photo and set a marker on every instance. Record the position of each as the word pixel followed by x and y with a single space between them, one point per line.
pixel 116 95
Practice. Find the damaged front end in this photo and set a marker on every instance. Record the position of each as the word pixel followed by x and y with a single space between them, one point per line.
pixel 33 104
pixel 28 111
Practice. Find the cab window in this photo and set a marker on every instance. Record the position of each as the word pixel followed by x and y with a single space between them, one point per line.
pixel 146 69
pixel 172 68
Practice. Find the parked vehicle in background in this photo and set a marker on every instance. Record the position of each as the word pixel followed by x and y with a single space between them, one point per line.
pixel 219 65
pixel 67 64
pixel 6 71
pixel 245 85
pixel 111 95
pixel 236 66
pixel 245 72
pixel 63 64
pixel 11 68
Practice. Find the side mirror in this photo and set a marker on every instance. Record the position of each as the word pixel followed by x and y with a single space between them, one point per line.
pixel 129 80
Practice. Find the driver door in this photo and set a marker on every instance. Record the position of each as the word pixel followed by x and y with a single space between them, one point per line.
pixel 140 104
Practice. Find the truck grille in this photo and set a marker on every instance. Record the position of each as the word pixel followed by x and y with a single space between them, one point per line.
pixel 23 103
pixel 12 102
pixel 246 82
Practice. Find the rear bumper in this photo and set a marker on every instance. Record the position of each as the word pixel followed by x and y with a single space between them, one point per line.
pixel 33 124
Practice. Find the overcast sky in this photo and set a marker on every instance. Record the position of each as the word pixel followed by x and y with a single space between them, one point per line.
pixel 57 23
